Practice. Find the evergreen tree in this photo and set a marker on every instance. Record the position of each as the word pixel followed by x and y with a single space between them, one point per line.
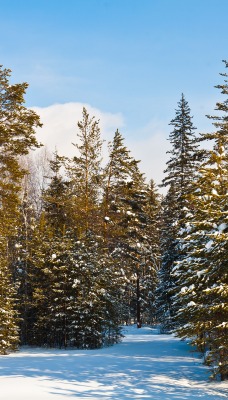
pixel 74 282
pixel 202 272
pixel 117 174
pixel 151 234
pixel 55 198
pixel 74 292
pixel 17 137
pixel 181 171
pixel 85 173
pixel 9 336
pixel 168 247
pixel 53 265
pixel 127 219
pixel 85 191
pixel 183 162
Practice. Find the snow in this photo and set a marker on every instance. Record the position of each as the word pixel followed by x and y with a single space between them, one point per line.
pixel 209 244
pixel 191 303
pixel 145 365
pixel 222 227
pixel 130 213
pixel 200 273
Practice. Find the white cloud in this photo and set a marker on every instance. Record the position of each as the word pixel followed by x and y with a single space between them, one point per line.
pixel 60 125
pixel 152 153
pixel 148 144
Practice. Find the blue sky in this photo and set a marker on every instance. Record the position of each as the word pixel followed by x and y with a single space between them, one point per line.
pixel 128 59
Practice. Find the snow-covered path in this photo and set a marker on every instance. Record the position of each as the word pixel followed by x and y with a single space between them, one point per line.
pixel 144 366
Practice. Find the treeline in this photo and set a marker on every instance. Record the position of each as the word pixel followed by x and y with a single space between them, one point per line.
pixel 98 247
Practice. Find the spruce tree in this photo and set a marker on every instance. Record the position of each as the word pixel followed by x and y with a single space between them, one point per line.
pixel 17 137
pixel 21 264
pixel 84 173
pixel 182 165
pixel 181 171
pixel 9 335
pixel 169 253
pixel 70 258
pixel 117 173
pixel 150 236
pixel 203 278
pixel 127 230
pixel 53 265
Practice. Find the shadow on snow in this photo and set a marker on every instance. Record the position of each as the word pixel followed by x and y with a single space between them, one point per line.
pixel 144 366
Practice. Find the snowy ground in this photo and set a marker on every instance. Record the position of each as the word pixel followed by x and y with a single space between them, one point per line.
pixel 144 366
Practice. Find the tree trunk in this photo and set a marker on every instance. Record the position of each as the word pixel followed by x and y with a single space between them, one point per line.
pixel 138 311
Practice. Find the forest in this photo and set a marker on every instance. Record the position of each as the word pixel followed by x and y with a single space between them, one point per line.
pixel 86 248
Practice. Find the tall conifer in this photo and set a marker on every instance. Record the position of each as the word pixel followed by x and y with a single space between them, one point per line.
pixel 203 279
pixel 84 172
pixel 129 217
pixel 180 174
pixel 17 137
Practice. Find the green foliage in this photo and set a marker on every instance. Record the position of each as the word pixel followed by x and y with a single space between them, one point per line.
pixel 130 208
pixel 88 258
pixel 17 137
pixel 201 274
pixel 85 175
pixel 180 174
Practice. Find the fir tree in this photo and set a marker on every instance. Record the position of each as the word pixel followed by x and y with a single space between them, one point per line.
pixel 53 265
pixel 127 233
pixel 150 236
pixel 9 335
pixel 74 282
pixel 84 173
pixel 116 175
pixel 182 165
pixel 168 248
pixel 202 272
pixel 181 171
pixel 17 137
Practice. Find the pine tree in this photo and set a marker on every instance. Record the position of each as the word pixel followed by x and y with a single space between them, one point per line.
pixel 85 191
pixel 151 233
pixel 53 265
pixel 203 278
pixel 55 198
pixel 74 282
pixel 127 217
pixel 168 247
pixel 96 301
pixel 9 336
pixel 84 173
pixel 117 173
pixel 181 171
pixel 183 162
pixel 17 137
